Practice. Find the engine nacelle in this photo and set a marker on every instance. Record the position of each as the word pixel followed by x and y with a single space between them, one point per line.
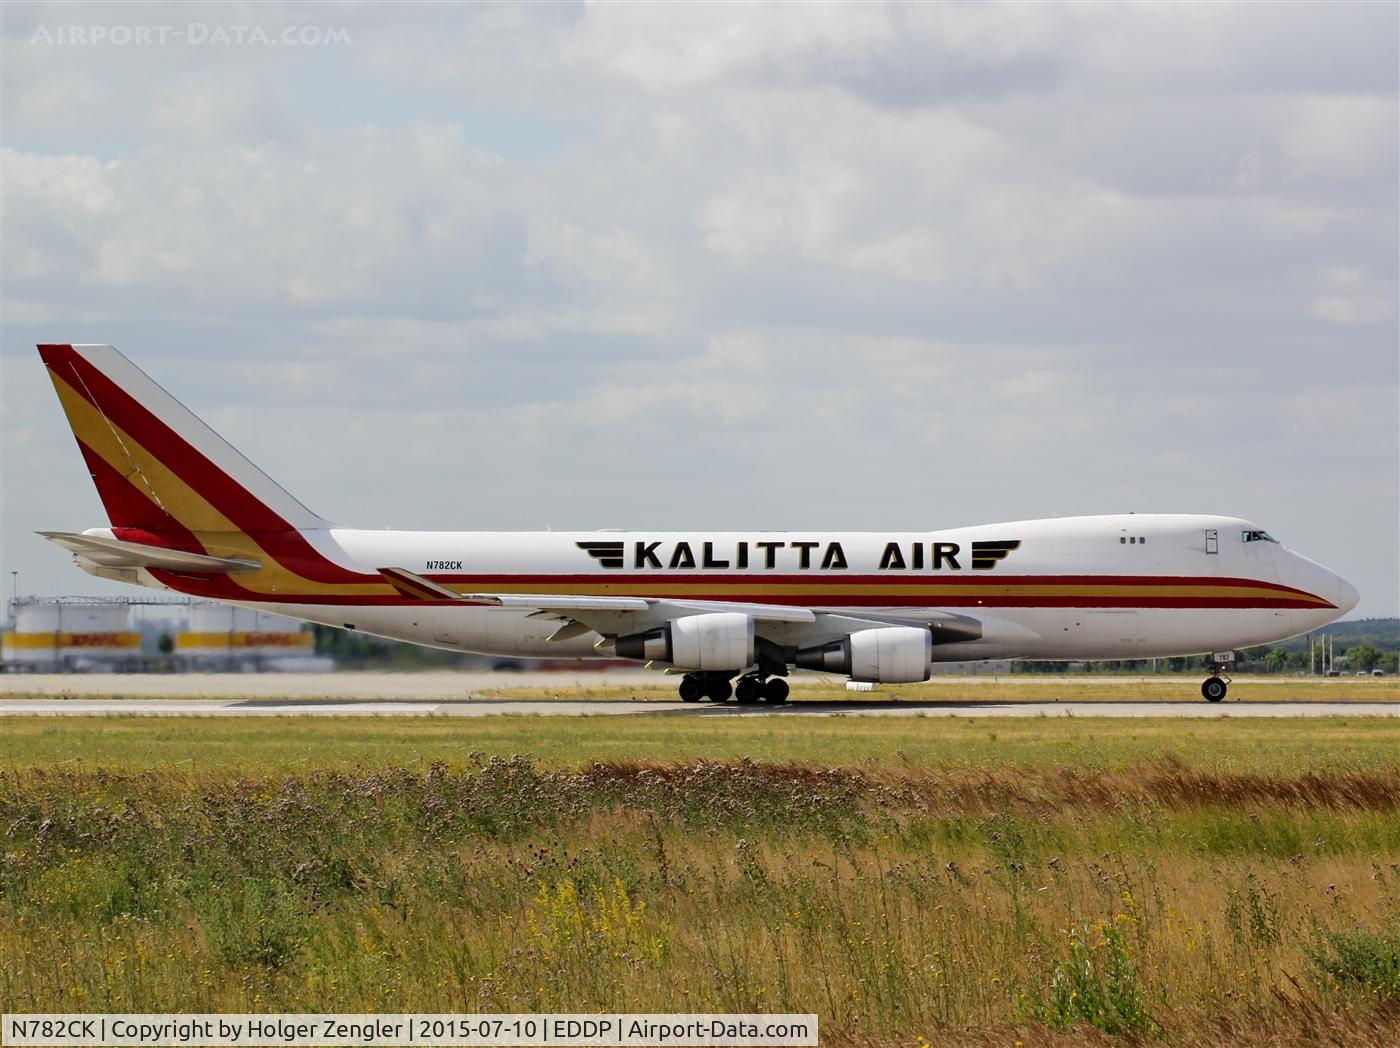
pixel 889 655
pixel 713 641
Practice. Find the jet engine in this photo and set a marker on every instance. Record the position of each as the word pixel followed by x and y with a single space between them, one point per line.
pixel 713 641
pixel 889 655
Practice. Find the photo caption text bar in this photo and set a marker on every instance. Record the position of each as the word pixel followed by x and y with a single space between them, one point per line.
pixel 630 1030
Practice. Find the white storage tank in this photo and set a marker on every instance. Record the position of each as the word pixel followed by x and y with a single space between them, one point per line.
pixel 71 634
pixel 221 631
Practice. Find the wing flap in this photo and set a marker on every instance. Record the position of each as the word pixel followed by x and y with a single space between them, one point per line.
pixel 572 628
pixel 416 587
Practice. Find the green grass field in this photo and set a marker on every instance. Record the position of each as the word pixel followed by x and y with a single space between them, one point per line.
pixel 1053 881
pixel 288 744
pixel 655 688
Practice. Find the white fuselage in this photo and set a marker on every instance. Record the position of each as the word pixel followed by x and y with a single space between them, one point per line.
pixel 1108 587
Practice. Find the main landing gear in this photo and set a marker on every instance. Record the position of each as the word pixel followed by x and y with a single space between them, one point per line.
pixel 753 687
pixel 1215 686
pixel 694 687
pixel 712 686
pixel 749 689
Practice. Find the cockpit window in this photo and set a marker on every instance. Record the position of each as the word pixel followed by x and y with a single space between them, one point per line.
pixel 1258 536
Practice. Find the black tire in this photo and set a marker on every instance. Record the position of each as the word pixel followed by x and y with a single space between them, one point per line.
pixel 748 691
pixel 691 689
pixel 775 691
pixel 1213 690
pixel 718 690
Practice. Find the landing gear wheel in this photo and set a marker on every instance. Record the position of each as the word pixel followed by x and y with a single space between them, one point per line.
pixel 748 691
pixel 1213 690
pixel 775 691
pixel 691 689
pixel 717 689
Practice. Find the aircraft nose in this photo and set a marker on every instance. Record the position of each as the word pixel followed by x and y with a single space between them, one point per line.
pixel 1347 596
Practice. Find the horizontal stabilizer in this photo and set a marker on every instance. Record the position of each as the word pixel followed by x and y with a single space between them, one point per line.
pixel 114 553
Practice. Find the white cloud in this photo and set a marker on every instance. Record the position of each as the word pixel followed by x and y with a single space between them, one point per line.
pixel 68 188
pixel 927 197
pixel 847 265
pixel 1353 298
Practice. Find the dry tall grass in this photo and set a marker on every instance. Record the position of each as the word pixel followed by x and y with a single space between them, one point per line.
pixel 1050 907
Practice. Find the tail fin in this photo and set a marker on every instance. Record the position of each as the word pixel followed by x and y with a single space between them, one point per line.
pixel 156 466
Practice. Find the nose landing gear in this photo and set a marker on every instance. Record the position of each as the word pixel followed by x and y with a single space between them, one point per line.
pixel 1213 690
pixel 1215 686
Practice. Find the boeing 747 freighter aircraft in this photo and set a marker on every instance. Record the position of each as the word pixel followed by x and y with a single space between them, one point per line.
pixel 732 612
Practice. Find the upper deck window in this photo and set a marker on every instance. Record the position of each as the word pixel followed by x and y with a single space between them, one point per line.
pixel 1257 536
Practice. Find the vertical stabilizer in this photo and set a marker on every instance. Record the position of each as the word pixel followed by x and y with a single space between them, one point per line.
pixel 157 467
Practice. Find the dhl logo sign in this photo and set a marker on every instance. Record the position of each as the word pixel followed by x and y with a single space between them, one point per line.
pixel 33 641
pixel 246 639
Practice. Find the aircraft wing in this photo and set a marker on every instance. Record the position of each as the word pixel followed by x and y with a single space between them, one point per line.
pixel 114 553
pixel 758 612
pixel 667 608
pixel 561 602
pixel 419 588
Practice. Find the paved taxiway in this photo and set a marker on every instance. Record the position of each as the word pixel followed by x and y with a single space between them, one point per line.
pixel 567 708
pixel 426 687
pixel 453 686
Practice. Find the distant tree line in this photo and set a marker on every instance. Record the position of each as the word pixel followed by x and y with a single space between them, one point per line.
pixel 353 650
pixel 1359 646
pixel 1361 657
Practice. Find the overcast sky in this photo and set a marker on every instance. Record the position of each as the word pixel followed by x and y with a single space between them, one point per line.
pixel 723 266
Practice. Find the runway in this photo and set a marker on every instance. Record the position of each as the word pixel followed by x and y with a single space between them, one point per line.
pixel 675 708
